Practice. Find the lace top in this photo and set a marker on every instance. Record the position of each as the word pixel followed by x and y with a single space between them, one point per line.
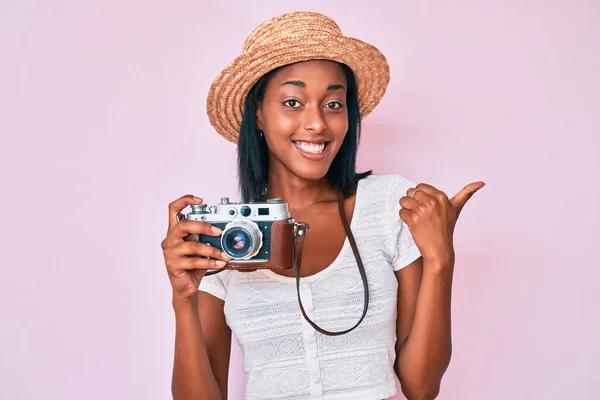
pixel 284 357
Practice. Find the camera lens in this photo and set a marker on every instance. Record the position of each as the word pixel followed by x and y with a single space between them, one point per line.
pixel 241 239
pixel 235 243
pixel 245 211
pixel 238 241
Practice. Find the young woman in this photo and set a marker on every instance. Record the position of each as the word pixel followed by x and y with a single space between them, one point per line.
pixel 293 102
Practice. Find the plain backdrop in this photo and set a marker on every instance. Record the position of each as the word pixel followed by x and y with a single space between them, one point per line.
pixel 103 123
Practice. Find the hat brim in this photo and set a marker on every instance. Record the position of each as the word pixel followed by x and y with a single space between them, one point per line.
pixel 227 94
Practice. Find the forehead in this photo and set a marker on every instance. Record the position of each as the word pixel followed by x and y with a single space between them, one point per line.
pixel 316 71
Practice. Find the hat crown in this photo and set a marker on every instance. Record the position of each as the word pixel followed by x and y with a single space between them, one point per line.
pixel 289 27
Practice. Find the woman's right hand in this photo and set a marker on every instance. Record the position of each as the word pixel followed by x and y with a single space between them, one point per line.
pixel 185 271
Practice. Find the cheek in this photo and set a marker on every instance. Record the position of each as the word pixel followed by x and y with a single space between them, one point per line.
pixel 338 124
pixel 279 123
pixel 285 126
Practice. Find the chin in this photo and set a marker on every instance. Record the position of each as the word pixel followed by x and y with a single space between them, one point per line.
pixel 310 173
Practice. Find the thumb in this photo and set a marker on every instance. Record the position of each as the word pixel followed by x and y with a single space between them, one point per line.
pixel 461 198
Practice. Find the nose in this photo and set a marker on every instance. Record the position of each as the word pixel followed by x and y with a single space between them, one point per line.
pixel 313 120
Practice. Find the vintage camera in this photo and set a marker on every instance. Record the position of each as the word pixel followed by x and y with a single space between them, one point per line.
pixel 255 235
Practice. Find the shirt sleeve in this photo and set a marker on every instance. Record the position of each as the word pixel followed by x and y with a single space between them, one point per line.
pixel 405 251
pixel 213 284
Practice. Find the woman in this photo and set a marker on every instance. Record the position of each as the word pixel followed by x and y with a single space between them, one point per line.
pixel 303 88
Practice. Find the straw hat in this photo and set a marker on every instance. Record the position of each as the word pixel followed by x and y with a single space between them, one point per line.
pixel 287 39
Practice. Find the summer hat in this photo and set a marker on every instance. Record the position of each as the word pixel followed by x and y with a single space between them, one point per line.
pixel 287 39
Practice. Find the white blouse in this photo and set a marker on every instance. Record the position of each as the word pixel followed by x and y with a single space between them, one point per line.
pixel 284 357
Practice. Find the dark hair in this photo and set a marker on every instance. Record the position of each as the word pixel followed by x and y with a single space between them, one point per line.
pixel 253 158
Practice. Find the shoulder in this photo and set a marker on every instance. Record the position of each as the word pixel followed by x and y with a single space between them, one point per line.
pixel 216 284
pixel 390 184
pixel 381 193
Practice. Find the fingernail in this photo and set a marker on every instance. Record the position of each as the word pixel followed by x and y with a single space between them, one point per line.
pixel 221 263
pixel 196 198
pixel 225 256
pixel 216 230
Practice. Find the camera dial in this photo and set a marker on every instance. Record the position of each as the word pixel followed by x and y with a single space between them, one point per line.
pixel 198 208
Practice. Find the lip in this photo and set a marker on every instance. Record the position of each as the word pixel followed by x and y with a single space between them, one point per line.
pixel 312 156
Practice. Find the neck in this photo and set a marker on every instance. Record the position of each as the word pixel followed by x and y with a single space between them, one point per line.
pixel 297 192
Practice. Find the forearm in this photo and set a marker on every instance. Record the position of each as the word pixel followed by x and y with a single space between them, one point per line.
pixel 193 377
pixel 425 354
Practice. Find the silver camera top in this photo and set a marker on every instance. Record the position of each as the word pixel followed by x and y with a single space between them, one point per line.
pixel 270 210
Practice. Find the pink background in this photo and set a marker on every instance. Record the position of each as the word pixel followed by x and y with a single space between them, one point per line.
pixel 102 124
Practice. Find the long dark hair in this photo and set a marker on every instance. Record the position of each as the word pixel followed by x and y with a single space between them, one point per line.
pixel 253 158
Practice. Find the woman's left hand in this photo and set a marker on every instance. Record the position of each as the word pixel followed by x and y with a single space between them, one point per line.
pixel 431 218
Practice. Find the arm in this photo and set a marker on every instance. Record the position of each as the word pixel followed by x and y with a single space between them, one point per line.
pixel 202 349
pixel 424 344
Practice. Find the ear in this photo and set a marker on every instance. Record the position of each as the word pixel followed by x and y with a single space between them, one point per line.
pixel 259 116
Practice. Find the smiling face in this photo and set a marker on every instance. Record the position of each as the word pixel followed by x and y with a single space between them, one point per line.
pixel 304 118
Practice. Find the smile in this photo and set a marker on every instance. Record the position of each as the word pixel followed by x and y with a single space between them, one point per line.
pixel 314 148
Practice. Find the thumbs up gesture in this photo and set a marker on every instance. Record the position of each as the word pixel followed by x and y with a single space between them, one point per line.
pixel 431 218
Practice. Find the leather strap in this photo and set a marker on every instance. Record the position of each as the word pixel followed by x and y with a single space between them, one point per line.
pixel 300 233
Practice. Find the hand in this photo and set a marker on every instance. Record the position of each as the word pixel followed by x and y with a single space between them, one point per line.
pixel 431 218
pixel 185 271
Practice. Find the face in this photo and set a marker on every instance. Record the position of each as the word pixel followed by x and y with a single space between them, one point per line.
pixel 304 118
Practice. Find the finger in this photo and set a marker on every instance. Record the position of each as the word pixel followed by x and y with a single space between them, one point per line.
pixel 407 216
pixel 461 198
pixel 427 188
pixel 197 249
pixel 409 203
pixel 191 263
pixel 185 227
pixel 422 196
pixel 178 205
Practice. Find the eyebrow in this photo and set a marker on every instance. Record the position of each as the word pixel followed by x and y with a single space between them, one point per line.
pixel 303 85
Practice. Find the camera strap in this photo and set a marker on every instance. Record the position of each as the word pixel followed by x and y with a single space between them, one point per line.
pixel 299 234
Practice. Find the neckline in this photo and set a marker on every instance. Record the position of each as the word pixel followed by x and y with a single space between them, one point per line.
pixel 331 267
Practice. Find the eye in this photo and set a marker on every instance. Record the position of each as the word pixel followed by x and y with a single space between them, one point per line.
pixel 292 103
pixel 334 105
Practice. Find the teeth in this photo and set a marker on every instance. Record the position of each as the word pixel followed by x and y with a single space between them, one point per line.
pixel 311 147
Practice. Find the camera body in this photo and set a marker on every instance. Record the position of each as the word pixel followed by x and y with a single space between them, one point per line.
pixel 255 235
